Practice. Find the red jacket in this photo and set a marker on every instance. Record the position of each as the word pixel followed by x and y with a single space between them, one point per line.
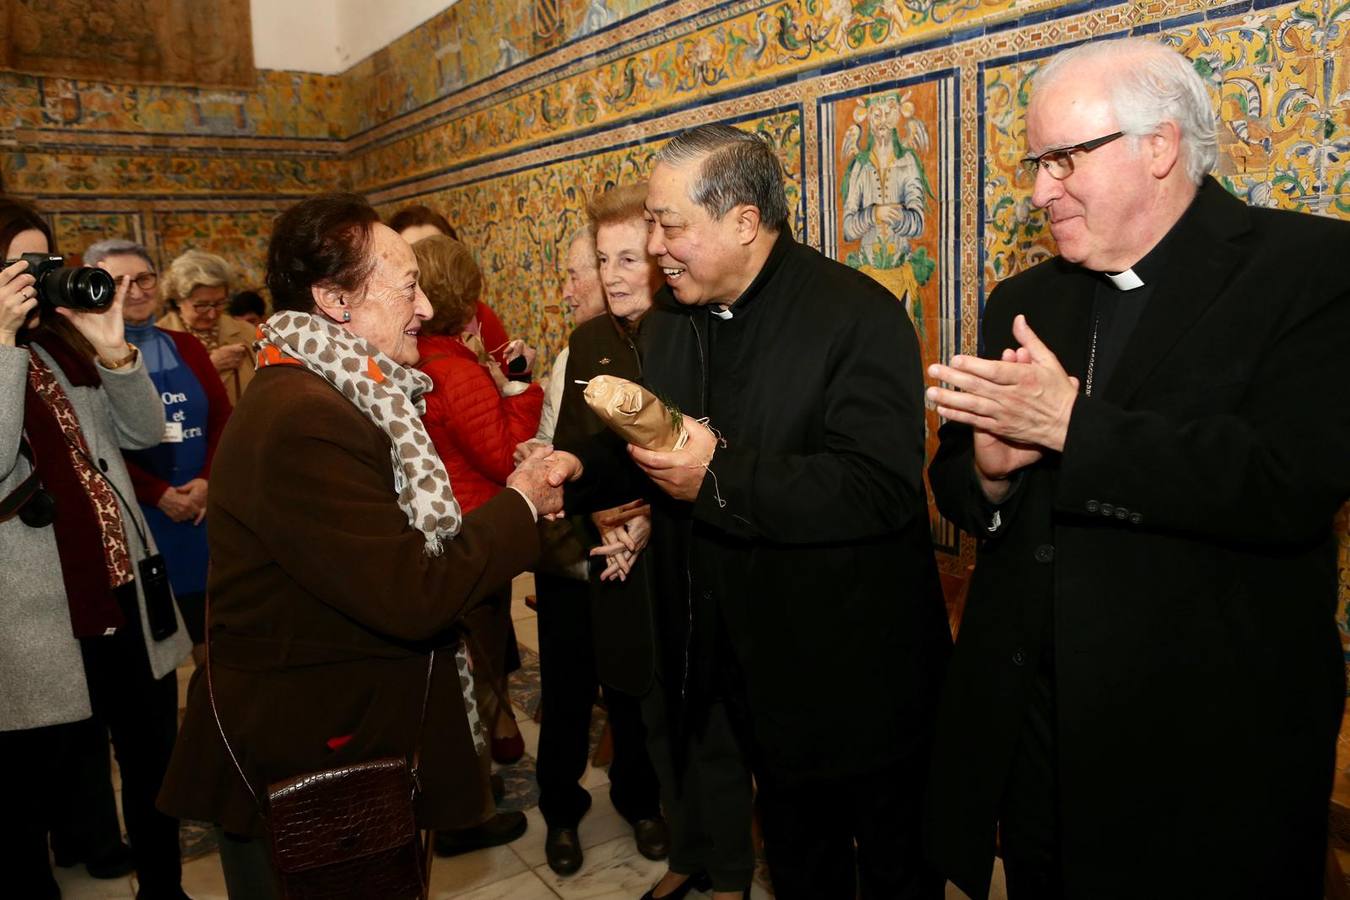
pixel 193 353
pixel 474 428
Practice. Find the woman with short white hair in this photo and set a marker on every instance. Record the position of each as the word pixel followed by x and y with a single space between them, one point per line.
pixel 197 288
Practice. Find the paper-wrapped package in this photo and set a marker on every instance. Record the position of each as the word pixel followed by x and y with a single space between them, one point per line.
pixel 635 413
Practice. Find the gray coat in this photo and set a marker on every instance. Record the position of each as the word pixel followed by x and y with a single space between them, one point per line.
pixel 41 671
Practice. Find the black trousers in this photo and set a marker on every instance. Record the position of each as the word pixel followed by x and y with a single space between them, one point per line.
pixel 819 831
pixel 708 804
pixel 141 714
pixel 568 683
pixel 1028 815
pixel 88 829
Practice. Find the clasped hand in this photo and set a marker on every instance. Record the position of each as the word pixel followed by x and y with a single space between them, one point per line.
pixel 624 531
pixel 185 502
pixel 540 474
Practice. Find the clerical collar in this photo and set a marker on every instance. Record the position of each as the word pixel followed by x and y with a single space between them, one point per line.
pixel 1125 281
pixel 722 312
pixel 1149 269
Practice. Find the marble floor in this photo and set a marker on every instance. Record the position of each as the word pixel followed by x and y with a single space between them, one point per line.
pixel 613 870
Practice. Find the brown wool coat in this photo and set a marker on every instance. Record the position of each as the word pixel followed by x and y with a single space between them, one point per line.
pixel 323 604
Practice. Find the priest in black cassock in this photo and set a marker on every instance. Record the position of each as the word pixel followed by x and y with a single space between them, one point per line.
pixel 797 597
pixel 1146 691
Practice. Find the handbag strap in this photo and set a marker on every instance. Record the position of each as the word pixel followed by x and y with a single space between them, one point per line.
pixel 220 728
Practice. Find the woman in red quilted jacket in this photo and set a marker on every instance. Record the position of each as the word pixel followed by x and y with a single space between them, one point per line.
pixel 475 417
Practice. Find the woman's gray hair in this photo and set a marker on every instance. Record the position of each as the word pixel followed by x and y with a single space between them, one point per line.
pixel 1149 84
pixel 735 167
pixel 101 250
pixel 194 269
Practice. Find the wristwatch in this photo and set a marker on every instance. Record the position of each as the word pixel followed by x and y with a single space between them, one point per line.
pixel 125 361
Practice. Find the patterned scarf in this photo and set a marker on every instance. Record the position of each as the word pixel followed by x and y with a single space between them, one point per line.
pixel 391 397
pixel 88 524
pixel 210 338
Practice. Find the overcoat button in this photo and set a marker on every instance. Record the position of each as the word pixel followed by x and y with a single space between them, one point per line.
pixel 1108 509
pixel 1019 658
pixel 1045 553
pixel 1135 518
pixel 1092 506
pixel 1122 512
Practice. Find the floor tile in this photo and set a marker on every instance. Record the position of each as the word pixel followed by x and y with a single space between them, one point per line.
pixel 603 823
pixel 612 871
pixel 521 586
pixel 527 632
pixel 460 874
pixel 530 847
pixel 529 730
pixel 525 886
pixel 595 778
pixel 203 878
pixel 77 885
pixel 997 889
pixel 599 826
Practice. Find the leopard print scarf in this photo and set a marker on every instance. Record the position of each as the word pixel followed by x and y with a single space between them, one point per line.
pixel 391 397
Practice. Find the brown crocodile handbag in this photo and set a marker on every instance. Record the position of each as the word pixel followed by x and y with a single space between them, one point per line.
pixel 346 833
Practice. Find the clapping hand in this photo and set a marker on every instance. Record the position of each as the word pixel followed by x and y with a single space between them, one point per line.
pixel 1019 405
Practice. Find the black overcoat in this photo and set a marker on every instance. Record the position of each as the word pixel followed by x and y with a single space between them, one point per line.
pixel 1181 547
pixel 621 611
pixel 807 555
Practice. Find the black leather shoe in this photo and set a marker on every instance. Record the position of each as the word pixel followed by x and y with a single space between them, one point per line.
pixel 652 837
pixel 503 828
pixel 563 849
pixel 697 882
pixel 114 863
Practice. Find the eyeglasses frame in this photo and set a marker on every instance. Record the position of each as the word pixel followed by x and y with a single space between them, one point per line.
pixel 1035 164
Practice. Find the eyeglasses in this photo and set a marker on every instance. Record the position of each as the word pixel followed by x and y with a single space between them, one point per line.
pixel 146 281
pixel 1058 164
pixel 206 307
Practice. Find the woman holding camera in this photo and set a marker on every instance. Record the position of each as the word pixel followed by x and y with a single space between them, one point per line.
pixel 80 593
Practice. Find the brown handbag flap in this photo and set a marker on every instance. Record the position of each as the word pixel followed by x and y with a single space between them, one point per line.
pixel 341 814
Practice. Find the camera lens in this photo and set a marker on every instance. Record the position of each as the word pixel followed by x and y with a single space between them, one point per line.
pixel 78 288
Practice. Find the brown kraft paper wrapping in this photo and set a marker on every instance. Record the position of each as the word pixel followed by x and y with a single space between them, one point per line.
pixel 635 414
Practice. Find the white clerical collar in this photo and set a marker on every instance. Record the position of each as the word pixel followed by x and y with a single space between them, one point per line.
pixel 1125 281
pixel 724 313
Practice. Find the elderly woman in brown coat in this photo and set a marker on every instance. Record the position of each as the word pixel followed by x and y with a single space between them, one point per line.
pixel 340 558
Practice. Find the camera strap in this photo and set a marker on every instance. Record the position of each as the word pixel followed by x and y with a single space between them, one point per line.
pixel 18 498
pixel 133 509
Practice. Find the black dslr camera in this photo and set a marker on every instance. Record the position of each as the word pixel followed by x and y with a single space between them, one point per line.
pixel 57 284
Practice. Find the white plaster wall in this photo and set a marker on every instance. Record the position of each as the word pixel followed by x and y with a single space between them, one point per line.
pixel 329 36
